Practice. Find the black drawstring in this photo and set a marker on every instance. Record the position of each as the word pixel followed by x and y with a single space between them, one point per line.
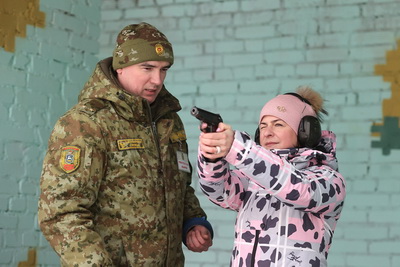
pixel 253 256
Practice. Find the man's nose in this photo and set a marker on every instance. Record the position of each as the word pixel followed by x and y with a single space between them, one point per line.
pixel 157 78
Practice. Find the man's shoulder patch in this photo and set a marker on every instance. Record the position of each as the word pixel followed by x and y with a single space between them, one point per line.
pixel 70 158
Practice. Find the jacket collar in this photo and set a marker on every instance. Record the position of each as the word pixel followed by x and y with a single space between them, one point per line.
pixel 323 154
pixel 104 85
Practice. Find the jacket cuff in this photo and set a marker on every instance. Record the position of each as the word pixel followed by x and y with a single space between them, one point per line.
pixel 190 223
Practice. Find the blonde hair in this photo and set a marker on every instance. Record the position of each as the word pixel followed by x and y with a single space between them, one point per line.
pixel 314 99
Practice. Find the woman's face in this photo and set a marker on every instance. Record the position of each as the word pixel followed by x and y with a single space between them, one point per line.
pixel 276 134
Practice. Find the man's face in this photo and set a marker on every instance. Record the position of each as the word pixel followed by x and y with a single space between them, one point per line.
pixel 144 79
pixel 276 134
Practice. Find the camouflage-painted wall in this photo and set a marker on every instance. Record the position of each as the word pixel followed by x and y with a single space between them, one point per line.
pixel 232 56
pixel 388 132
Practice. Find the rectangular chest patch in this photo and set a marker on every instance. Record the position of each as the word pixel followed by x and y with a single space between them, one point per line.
pixel 178 136
pixel 70 158
pixel 126 144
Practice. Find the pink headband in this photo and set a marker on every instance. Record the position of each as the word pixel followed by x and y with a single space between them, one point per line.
pixel 288 108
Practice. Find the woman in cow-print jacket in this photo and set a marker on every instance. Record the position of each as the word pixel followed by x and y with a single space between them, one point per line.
pixel 285 187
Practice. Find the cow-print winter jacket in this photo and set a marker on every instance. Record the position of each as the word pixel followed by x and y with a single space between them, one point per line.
pixel 288 200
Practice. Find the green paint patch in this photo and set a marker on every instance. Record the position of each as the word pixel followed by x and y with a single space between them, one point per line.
pixel 389 133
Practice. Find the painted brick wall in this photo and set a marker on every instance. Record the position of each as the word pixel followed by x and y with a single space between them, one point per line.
pixel 232 56
pixel 39 81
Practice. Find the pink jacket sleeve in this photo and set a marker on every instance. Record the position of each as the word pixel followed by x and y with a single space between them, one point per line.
pixel 308 181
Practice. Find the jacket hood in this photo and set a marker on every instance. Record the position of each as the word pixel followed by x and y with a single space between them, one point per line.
pixel 104 85
pixel 323 154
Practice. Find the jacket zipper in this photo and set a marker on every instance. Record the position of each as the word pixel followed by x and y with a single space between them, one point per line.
pixel 155 136
pixel 253 254
pixel 160 164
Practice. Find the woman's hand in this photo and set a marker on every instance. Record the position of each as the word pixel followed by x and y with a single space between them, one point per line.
pixel 217 144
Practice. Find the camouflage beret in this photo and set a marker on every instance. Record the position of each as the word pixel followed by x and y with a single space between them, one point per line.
pixel 137 43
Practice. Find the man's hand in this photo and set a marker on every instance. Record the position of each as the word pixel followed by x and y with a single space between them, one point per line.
pixel 198 239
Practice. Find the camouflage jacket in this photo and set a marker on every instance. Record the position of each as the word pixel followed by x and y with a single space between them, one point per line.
pixel 111 190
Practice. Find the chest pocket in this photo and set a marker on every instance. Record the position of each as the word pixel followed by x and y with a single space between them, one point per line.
pixel 132 161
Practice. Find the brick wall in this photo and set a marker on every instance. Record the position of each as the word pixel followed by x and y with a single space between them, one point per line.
pixel 231 57
pixel 39 80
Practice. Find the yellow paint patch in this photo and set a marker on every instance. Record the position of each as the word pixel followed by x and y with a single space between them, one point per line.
pixel 31 262
pixel 14 16
pixel 391 73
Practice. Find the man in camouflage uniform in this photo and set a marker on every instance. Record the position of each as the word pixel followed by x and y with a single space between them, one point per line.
pixel 115 186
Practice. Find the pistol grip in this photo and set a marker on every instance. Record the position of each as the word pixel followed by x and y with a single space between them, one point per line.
pixel 210 128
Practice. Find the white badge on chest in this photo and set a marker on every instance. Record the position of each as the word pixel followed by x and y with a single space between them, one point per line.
pixel 183 161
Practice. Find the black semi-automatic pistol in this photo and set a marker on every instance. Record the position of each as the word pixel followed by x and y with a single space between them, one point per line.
pixel 205 116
